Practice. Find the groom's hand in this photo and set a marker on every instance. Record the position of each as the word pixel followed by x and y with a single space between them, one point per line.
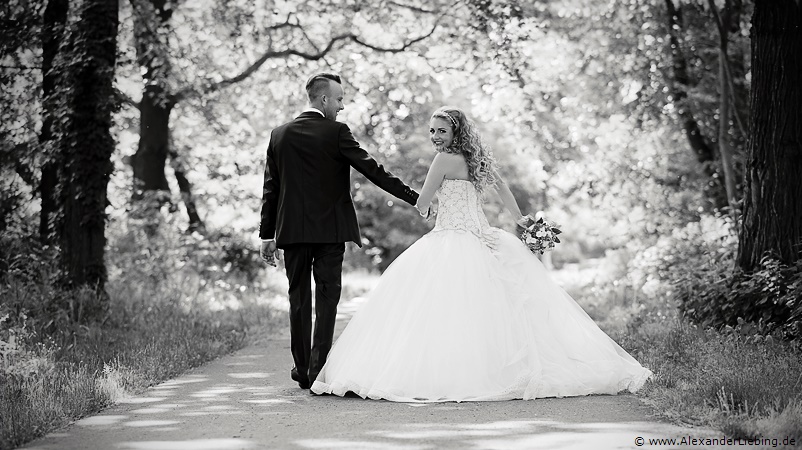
pixel 269 252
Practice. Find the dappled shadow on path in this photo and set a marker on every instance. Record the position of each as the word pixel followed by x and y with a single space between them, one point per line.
pixel 247 400
pixel 512 434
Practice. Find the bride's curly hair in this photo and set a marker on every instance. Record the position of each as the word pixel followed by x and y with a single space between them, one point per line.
pixel 468 143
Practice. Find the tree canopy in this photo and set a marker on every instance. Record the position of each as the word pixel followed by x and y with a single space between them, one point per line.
pixel 623 121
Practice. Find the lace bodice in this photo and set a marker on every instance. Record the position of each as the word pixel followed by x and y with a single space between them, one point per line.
pixel 460 208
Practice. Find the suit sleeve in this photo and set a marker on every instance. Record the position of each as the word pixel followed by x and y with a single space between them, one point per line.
pixel 372 170
pixel 270 194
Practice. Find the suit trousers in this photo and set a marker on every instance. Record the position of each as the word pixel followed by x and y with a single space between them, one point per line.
pixel 325 263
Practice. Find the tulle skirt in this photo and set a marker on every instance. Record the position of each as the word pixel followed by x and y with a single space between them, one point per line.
pixel 453 319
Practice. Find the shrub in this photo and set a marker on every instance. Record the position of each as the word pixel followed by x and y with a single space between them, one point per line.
pixel 694 267
pixel 174 301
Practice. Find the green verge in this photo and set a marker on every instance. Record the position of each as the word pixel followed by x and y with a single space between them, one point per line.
pixel 174 301
pixel 143 341
pixel 745 386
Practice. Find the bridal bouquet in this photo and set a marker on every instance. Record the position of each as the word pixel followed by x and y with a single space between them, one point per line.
pixel 539 235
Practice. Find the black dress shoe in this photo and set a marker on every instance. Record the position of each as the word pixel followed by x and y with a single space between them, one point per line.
pixel 303 382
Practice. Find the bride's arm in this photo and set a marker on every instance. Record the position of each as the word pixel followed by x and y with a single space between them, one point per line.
pixel 434 178
pixel 506 197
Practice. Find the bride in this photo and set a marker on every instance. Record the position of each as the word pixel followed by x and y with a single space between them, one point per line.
pixel 468 313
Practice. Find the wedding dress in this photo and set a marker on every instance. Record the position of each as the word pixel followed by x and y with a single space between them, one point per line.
pixel 467 313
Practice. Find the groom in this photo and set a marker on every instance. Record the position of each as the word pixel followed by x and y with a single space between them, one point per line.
pixel 307 211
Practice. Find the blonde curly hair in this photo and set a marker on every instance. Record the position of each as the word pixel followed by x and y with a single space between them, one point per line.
pixel 468 143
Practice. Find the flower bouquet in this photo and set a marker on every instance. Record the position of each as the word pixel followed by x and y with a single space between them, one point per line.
pixel 539 235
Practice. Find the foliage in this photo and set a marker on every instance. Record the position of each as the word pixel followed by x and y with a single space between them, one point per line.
pixel 693 268
pixel 745 386
pixel 766 301
pixel 732 379
pixel 19 114
pixel 173 304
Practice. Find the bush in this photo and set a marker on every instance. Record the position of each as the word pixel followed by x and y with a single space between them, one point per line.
pixel 694 267
pixel 174 301
pixel 746 386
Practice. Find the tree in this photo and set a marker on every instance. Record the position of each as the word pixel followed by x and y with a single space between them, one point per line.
pixel 19 79
pixel 680 84
pixel 772 215
pixel 54 20
pixel 82 118
pixel 727 22
pixel 284 37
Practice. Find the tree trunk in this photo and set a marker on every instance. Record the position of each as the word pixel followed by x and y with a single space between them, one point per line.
pixel 85 142
pixel 725 104
pixel 180 170
pixel 150 19
pixel 680 82
pixel 772 217
pixel 55 17
pixel 151 155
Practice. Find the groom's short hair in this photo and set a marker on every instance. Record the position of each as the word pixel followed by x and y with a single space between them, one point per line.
pixel 317 84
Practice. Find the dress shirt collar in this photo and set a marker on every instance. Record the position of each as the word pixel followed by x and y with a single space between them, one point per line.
pixel 313 109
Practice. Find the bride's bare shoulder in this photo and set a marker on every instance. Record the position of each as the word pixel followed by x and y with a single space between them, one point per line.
pixel 449 158
pixel 452 165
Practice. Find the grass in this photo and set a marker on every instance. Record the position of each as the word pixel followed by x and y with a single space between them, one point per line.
pixel 167 315
pixel 747 386
pixel 171 306
pixel 146 339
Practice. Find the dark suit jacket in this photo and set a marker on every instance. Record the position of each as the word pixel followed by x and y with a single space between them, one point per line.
pixel 307 189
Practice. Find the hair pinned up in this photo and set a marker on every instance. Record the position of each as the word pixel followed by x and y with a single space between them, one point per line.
pixel 468 143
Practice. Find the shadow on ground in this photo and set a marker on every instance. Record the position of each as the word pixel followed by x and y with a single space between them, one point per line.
pixel 247 400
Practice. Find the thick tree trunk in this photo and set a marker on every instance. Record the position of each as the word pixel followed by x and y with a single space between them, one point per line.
pixel 85 141
pixel 55 17
pixel 772 217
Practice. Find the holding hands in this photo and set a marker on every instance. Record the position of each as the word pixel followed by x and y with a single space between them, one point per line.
pixel 429 213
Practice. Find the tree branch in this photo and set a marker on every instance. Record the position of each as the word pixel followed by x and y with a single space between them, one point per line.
pixel 20 67
pixel 723 37
pixel 394 50
pixel 309 56
pixel 731 86
pixel 412 8
pixel 122 98
pixel 717 18
pixel 22 170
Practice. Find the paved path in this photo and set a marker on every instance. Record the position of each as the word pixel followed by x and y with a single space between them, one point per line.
pixel 247 400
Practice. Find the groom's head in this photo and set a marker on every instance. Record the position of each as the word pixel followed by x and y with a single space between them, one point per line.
pixel 325 93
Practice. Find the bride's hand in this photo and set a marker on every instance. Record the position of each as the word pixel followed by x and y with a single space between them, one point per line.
pixel 431 214
pixel 428 214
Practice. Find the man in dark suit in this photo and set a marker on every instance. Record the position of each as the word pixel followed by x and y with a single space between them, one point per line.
pixel 307 211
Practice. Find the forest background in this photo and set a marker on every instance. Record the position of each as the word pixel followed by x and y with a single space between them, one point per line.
pixel 133 150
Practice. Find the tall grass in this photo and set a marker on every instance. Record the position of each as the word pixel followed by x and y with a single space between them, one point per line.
pixel 733 379
pixel 746 386
pixel 174 302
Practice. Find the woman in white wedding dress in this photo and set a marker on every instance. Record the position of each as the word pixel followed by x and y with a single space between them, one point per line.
pixel 468 313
